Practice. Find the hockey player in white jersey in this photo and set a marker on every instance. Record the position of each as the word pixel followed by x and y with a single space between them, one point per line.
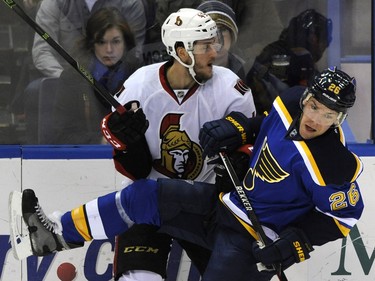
pixel 176 97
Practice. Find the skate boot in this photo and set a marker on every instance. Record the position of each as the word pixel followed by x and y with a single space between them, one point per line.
pixel 45 233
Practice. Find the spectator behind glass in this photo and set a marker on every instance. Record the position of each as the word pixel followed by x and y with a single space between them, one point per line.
pixel 78 109
pixel 65 21
pixel 225 19
pixel 298 48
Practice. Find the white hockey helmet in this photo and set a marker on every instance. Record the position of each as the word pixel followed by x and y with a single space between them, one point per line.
pixel 187 26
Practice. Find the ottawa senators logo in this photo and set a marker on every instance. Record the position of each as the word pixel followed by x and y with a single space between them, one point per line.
pixel 180 157
pixel 266 168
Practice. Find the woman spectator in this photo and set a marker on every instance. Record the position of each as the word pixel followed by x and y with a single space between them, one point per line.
pixel 78 108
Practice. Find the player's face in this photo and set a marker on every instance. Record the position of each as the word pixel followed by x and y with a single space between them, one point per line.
pixel 205 52
pixel 316 119
pixel 110 49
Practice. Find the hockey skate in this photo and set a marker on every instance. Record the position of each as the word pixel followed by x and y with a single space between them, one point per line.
pixel 42 236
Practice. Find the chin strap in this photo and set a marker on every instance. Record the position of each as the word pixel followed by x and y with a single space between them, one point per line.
pixel 190 67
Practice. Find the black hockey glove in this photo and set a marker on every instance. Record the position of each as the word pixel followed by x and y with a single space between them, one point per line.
pixel 292 247
pixel 240 162
pixel 225 134
pixel 126 129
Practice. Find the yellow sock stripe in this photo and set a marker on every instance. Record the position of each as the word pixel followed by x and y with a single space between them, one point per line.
pixel 80 222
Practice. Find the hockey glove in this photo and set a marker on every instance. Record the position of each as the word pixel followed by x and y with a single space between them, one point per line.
pixel 225 134
pixel 126 129
pixel 292 247
pixel 240 162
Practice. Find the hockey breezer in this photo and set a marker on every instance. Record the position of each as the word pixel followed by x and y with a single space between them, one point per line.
pixel 262 238
pixel 86 74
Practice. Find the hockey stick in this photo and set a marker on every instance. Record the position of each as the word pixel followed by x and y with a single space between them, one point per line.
pixel 86 74
pixel 262 238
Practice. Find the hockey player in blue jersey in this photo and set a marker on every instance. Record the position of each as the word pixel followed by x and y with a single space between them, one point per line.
pixel 301 183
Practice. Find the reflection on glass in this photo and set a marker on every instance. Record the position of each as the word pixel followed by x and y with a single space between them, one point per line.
pixel 23 116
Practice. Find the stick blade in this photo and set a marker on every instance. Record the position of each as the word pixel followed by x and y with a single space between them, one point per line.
pixel 19 236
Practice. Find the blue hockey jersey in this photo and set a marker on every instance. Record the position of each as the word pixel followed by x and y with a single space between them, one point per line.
pixel 290 177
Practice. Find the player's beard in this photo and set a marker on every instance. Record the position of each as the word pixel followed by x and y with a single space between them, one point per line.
pixel 203 73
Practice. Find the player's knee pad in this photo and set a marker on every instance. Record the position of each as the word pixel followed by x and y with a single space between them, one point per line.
pixel 142 248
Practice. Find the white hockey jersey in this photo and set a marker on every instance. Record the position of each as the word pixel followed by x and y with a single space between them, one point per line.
pixel 176 116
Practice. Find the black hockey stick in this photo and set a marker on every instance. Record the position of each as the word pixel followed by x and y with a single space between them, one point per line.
pixel 249 210
pixel 86 74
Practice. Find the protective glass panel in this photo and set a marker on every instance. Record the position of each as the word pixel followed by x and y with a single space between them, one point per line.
pixel 269 44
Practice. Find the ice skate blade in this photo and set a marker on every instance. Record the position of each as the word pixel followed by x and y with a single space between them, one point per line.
pixel 19 236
